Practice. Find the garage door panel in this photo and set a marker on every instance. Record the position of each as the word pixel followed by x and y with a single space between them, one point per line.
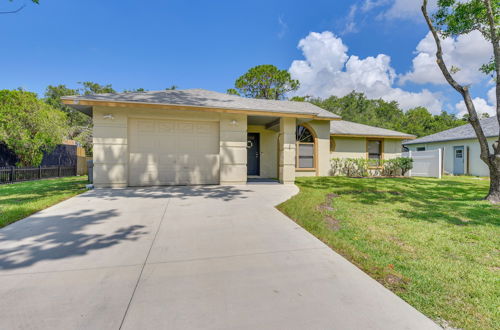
pixel 206 128
pixel 207 144
pixel 146 126
pixel 187 144
pixel 144 143
pixel 144 175
pixel 167 176
pixel 166 127
pixel 166 145
pixel 185 127
pixel 173 152
pixel 141 159
pixel 166 160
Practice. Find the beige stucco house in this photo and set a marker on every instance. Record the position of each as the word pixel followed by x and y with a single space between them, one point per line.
pixel 177 137
pixel 188 137
pixel 353 140
pixel 460 147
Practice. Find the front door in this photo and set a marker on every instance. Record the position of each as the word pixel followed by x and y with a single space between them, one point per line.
pixel 458 160
pixel 253 154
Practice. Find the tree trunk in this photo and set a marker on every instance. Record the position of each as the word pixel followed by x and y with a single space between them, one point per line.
pixel 494 193
pixel 492 160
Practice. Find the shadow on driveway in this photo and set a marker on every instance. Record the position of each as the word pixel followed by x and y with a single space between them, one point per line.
pixel 49 236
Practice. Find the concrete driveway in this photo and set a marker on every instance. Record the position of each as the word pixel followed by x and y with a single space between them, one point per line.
pixel 184 258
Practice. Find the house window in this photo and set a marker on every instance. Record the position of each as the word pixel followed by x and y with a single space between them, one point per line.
pixel 306 149
pixel 420 148
pixel 374 151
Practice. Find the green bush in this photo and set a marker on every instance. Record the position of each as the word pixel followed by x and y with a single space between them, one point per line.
pixel 404 164
pixel 389 168
pixel 360 167
pixel 336 166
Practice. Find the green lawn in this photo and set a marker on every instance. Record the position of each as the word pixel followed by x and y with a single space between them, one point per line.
pixel 19 200
pixel 434 243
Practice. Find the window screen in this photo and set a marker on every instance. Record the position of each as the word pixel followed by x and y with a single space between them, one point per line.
pixel 375 151
pixel 306 155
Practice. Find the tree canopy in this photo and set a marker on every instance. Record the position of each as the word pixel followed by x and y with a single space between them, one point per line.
pixel 29 126
pixel 455 18
pixel 357 108
pixel 80 124
pixel 264 82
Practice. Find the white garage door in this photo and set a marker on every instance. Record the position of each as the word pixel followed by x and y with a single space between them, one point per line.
pixel 171 152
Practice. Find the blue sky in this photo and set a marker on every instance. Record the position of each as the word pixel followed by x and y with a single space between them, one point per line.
pixel 208 44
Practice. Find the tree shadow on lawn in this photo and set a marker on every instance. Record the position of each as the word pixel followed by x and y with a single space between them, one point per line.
pixel 430 200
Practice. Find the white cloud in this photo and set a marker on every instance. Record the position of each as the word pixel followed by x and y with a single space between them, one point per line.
pixel 328 70
pixel 283 27
pixel 481 105
pixel 407 9
pixel 372 4
pixel 350 25
pixel 492 97
pixel 467 52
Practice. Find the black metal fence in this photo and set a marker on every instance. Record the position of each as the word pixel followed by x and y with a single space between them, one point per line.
pixel 17 174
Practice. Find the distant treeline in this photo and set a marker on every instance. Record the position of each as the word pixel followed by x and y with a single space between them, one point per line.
pixel 356 107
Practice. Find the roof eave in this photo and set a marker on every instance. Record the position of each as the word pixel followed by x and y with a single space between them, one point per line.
pixel 396 137
pixel 448 140
pixel 76 103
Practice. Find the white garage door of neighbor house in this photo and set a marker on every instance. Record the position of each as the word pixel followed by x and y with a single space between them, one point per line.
pixel 171 152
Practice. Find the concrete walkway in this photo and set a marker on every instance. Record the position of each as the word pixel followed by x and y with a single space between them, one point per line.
pixel 184 258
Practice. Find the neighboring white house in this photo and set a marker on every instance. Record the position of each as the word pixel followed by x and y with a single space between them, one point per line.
pixel 460 147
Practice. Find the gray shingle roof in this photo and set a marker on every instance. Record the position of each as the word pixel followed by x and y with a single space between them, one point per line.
pixel 343 127
pixel 205 98
pixel 489 125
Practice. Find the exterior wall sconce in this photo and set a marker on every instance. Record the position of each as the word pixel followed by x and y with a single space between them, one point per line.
pixel 234 122
pixel 108 116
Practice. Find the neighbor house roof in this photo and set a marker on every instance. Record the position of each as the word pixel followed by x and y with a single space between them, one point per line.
pixel 197 99
pixel 489 125
pixel 347 128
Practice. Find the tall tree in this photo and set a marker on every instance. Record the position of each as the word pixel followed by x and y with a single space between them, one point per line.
pixel 53 96
pixel 264 82
pixel 80 125
pixel 29 126
pixel 89 87
pixel 454 18
pixel 134 90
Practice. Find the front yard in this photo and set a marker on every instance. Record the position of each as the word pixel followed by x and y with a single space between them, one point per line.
pixel 19 200
pixel 432 242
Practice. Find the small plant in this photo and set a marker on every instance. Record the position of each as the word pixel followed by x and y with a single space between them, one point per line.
pixel 360 167
pixel 390 168
pixel 405 164
pixel 336 166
